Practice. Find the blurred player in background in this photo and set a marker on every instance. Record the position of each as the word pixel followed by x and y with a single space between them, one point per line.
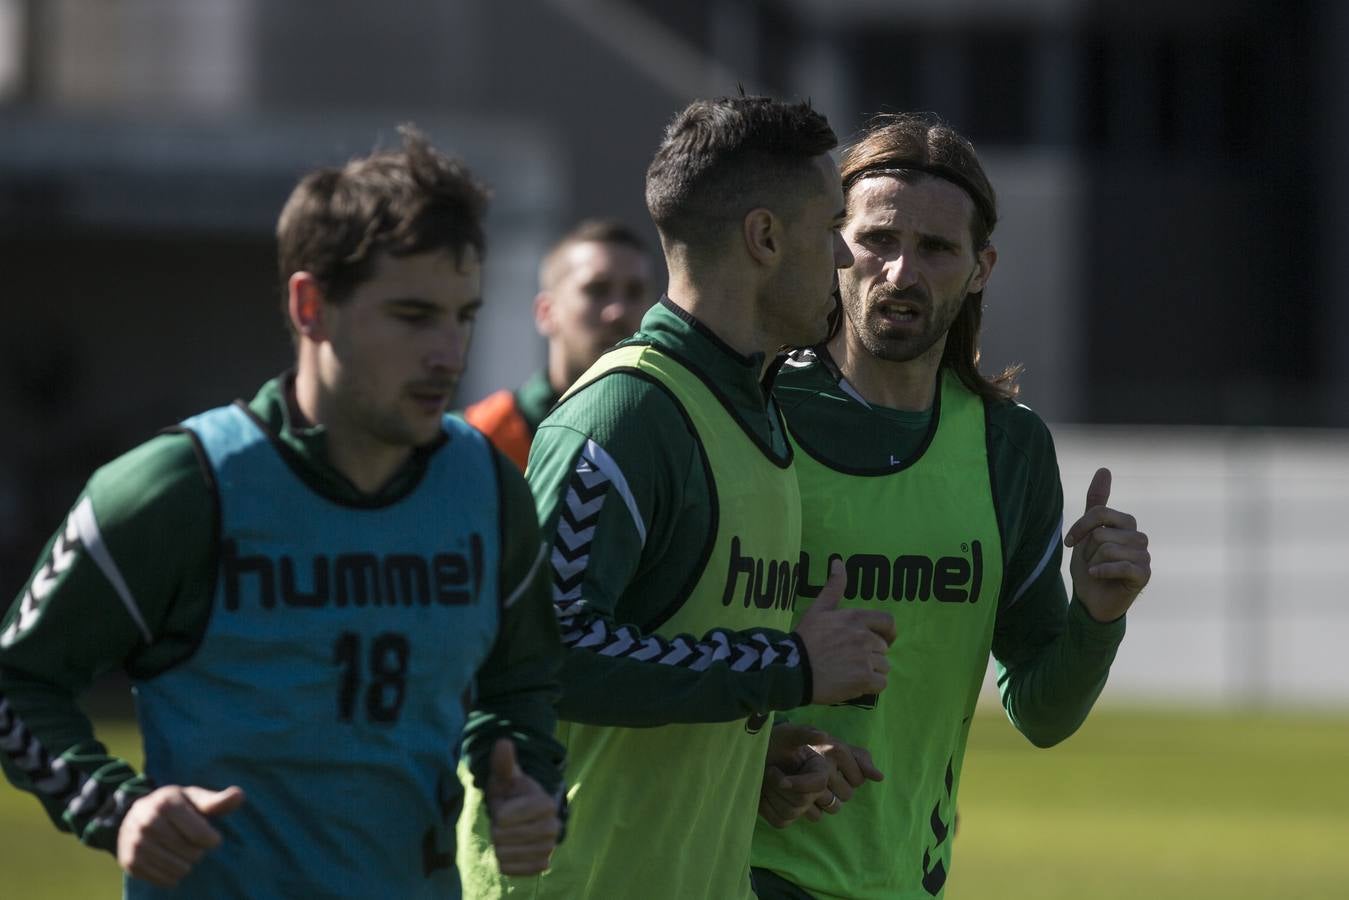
pixel 595 284
pixel 308 590
pixel 942 496
pixel 665 483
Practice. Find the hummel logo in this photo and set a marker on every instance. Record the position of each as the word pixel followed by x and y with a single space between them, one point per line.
pixel 893 461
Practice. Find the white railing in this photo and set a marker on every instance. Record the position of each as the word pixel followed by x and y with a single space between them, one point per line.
pixel 1249 531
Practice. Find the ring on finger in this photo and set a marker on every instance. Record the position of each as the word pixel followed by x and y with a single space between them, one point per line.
pixel 833 802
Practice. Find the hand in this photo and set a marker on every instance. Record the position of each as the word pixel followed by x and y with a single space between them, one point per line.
pixel 809 773
pixel 784 797
pixel 846 646
pixel 850 767
pixel 525 823
pixel 1110 563
pixel 167 832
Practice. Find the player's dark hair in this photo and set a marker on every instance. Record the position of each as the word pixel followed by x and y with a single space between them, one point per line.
pixel 399 202
pixel 913 146
pixel 721 158
pixel 588 231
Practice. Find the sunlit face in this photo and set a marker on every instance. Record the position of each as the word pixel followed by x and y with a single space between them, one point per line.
pixel 599 298
pixel 800 298
pixel 914 264
pixel 395 348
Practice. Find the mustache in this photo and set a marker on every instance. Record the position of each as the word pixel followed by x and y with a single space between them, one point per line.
pixel 434 384
pixel 888 293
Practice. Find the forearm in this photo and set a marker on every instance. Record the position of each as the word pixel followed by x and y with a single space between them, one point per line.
pixel 51 752
pixel 1048 695
pixel 614 675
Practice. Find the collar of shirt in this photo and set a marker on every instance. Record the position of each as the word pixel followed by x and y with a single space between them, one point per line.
pixel 735 376
pixel 535 398
pixel 305 449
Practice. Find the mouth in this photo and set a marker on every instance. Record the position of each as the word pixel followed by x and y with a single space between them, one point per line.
pixel 431 399
pixel 899 312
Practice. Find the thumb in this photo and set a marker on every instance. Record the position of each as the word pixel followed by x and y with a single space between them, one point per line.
pixel 505 769
pixel 796 735
pixel 215 803
pixel 832 592
pixel 1098 494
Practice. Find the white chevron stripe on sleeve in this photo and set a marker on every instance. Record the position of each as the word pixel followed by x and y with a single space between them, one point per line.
pixel 602 461
pixel 87 525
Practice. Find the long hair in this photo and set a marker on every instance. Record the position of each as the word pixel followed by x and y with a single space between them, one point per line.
pixel 912 146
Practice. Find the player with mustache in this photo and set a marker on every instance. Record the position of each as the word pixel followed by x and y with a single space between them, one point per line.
pixel 942 496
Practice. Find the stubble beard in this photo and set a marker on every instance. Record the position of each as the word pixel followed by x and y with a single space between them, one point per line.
pixel 875 336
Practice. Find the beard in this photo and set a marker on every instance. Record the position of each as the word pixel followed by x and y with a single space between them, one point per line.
pixel 903 341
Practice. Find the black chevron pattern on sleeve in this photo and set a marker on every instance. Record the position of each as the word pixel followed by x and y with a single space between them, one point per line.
pixel 585 495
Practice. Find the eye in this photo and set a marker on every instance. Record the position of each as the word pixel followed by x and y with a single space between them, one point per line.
pixel 936 245
pixel 468 316
pixel 412 316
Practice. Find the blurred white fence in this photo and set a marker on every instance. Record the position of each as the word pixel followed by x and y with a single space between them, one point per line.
pixel 1249 532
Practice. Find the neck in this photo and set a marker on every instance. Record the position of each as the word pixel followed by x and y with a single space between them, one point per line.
pixel 727 309
pixel 365 461
pixel 905 385
pixel 560 375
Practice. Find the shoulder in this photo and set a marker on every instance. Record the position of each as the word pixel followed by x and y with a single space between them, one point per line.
pixel 608 408
pixel 802 378
pixel 167 478
pixel 1017 430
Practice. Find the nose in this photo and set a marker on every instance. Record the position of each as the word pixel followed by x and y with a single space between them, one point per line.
pixel 843 258
pixel 448 352
pixel 898 272
pixel 613 309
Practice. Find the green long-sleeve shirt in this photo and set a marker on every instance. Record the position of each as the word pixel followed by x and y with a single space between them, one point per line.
pixel 155 518
pixel 1052 658
pixel 646 499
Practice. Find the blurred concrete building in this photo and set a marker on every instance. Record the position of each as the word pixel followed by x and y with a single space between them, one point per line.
pixel 1170 176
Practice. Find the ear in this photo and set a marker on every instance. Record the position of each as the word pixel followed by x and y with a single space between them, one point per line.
pixel 763 236
pixel 984 262
pixel 543 313
pixel 305 306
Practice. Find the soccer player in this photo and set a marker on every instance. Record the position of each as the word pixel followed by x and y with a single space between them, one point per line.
pixel 666 486
pixel 594 286
pixel 941 495
pixel 316 593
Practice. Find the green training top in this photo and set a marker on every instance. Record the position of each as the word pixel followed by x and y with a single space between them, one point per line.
pixel 950 519
pixel 633 840
pixel 152 537
pixel 626 493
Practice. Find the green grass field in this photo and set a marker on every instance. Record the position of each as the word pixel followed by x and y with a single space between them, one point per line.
pixel 1137 805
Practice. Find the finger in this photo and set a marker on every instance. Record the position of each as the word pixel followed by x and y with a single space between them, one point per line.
pixel 191 830
pixel 524 809
pixel 504 767
pixel 804 783
pixel 845 763
pixel 832 592
pixel 1129 574
pixel 865 764
pixel 1104 535
pixel 158 864
pixel 540 834
pixel 1102 523
pixel 830 804
pixel 784 810
pixel 878 623
pixel 524 860
pixel 1118 553
pixel 215 803
pixel 769 815
pixel 880 663
pixel 1098 492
